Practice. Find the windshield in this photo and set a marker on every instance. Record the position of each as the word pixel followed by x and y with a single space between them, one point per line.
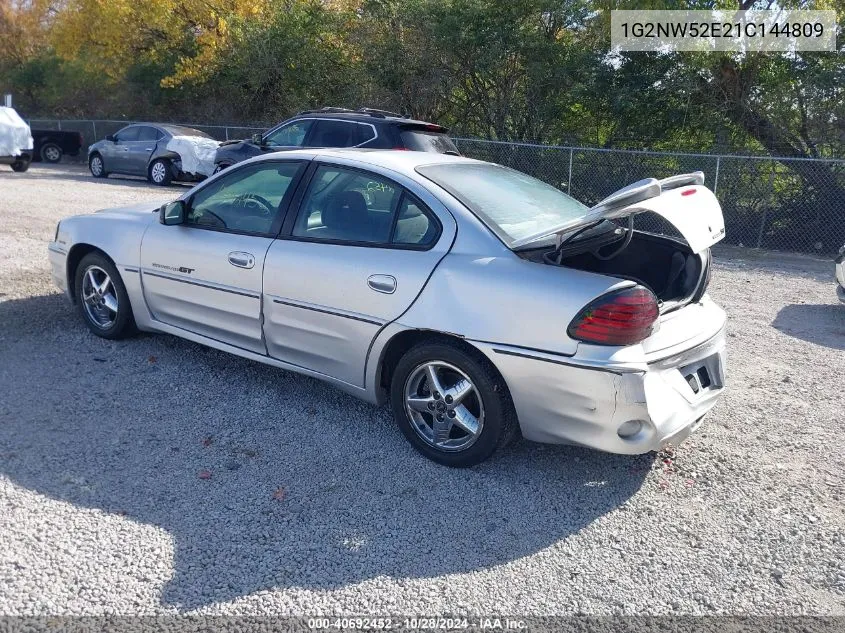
pixel 512 204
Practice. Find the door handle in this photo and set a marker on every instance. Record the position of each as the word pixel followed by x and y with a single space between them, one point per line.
pixel 382 283
pixel 241 259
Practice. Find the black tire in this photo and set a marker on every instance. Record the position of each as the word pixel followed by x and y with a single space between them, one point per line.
pixel 20 166
pixel 51 153
pixel 124 322
pixel 160 172
pixel 220 167
pixel 97 172
pixel 500 424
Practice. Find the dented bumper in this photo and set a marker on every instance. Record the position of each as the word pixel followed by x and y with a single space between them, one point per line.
pixel 613 409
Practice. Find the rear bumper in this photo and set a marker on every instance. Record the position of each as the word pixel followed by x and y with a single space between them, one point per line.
pixel 25 156
pixel 563 403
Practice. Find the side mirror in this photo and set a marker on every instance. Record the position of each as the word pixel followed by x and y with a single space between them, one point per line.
pixel 172 213
pixel 111 138
pixel 257 139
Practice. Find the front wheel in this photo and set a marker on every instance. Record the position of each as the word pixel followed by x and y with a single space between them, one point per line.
pixel 160 173
pixel 452 407
pixel 102 298
pixel 20 166
pixel 97 166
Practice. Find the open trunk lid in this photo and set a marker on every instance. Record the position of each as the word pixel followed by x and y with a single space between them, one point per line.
pixel 681 200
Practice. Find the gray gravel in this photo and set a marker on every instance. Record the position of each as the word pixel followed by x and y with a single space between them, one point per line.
pixel 315 503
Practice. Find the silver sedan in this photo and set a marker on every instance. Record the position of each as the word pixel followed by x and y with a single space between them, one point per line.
pixel 482 304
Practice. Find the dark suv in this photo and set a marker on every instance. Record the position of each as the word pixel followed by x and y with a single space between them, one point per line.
pixel 340 127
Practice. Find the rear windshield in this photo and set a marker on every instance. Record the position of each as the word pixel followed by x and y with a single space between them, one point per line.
pixel 512 204
pixel 428 141
pixel 179 130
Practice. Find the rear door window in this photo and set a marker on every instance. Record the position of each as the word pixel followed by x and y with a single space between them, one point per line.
pixel 148 133
pixel 329 133
pixel 356 207
pixel 366 133
pixel 428 141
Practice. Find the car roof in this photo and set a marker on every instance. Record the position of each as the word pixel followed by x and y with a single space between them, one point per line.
pixel 171 128
pixel 404 162
pixel 366 116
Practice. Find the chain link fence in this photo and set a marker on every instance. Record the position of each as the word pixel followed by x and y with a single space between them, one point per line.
pixel 787 204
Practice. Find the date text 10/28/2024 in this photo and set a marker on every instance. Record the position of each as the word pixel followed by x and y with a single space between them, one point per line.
pixel 416 624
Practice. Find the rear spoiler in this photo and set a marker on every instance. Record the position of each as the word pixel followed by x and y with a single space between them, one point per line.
pixel 647 188
pixel 423 127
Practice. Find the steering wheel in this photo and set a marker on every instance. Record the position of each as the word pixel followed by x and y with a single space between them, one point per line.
pixel 254 202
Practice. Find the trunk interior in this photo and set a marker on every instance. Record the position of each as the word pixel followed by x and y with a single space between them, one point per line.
pixel 664 265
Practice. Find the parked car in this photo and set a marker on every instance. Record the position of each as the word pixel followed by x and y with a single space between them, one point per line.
pixel 840 275
pixel 340 127
pixel 161 152
pixel 51 145
pixel 479 301
pixel 15 140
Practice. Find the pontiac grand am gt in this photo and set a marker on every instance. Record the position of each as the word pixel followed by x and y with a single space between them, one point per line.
pixel 480 302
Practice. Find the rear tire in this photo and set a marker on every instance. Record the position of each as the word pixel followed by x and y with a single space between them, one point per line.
pixel 106 310
pixel 160 173
pixel 97 167
pixel 453 430
pixel 20 166
pixel 51 153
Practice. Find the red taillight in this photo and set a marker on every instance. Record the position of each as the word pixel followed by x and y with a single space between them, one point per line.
pixel 624 317
pixel 688 192
pixel 402 149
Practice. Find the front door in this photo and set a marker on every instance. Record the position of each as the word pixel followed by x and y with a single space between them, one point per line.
pixel 354 257
pixel 138 153
pixel 116 154
pixel 205 276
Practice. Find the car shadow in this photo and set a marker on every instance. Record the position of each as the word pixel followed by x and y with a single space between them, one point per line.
pixel 822 324
pixel 265 478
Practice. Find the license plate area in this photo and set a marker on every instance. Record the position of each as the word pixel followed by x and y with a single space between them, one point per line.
pixel 703 375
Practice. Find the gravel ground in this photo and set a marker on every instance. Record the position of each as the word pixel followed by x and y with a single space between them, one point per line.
pixel 316 505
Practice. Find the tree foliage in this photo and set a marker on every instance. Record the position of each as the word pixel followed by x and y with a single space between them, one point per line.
pixel 536 70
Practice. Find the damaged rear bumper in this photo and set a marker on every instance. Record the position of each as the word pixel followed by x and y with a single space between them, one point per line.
pixel 613 410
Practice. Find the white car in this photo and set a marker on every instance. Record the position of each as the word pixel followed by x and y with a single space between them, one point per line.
pixel 840 275
pixel 478 301
pixel 15 140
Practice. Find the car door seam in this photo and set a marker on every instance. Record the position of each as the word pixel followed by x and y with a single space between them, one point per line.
pixel 411 304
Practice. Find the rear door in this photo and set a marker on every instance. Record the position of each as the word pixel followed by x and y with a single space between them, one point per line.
pixel 353 257
pixel 205 276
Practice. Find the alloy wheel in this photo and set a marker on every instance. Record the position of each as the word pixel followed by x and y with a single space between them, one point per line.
pixel 52 154
pixel 158 172
pixel 99 297
pixel 444 407
pixel 96 165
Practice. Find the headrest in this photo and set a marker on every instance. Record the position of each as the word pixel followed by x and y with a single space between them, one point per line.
pixel 346 209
